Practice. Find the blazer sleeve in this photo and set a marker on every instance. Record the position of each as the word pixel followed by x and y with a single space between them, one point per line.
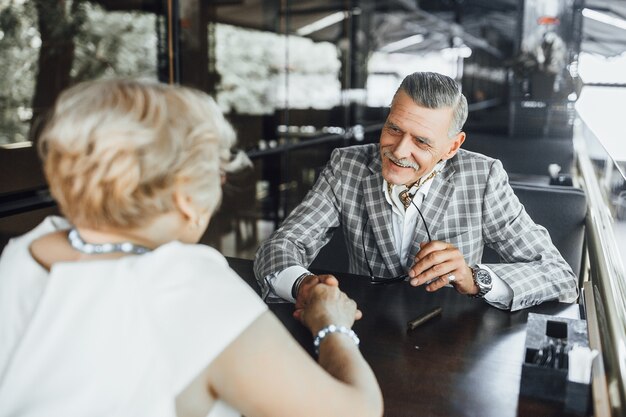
pixel 305 231
pixel 531 264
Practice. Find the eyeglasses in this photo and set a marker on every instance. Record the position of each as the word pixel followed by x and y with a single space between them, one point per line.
pixel 400 278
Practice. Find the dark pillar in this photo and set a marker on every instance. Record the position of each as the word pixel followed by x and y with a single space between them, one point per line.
pixel 194 49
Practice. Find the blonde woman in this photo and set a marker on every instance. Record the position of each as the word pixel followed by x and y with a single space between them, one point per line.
pixel 115 310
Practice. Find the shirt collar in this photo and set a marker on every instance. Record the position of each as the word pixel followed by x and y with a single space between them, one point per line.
pixel 422 188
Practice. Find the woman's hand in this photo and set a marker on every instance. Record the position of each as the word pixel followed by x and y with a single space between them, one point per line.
pixel 305 290
pixel 327 304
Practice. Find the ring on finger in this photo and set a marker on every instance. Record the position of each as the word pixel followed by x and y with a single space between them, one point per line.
pixel 451 278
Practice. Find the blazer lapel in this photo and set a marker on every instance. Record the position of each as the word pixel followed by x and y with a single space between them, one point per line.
pixel 379 218
pixel 434 206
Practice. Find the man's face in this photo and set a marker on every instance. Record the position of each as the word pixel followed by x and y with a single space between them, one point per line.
pixel 414 139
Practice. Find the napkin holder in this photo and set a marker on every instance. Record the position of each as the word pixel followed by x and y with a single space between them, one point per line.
pixel 549 382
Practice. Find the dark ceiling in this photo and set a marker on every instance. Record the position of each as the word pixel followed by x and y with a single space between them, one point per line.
pixel 487 24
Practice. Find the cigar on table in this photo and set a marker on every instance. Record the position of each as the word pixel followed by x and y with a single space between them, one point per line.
pixel 424 318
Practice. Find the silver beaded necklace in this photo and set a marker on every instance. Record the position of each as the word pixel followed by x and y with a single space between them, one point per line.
pixel 98 248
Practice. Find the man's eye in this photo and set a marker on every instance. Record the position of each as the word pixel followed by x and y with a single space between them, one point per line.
pixel 393 129
pixel 421 142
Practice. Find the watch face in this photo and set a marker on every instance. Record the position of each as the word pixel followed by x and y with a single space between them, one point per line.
pixel 483 277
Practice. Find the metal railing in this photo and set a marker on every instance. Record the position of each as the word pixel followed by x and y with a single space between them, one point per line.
pixel 25 201
pixel 605 292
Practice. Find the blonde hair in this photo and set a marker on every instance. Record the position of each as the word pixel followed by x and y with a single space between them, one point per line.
pixel 114 151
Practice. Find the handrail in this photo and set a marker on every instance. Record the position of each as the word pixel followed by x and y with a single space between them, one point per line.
pixel 608 279
pixel 305 143
pixel 257 153
pixel 600 392
pixel 24 201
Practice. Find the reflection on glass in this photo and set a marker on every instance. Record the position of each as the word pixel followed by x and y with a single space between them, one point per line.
pixel 47 46
pixel 605 145
pixel 610 174
pixel 253 64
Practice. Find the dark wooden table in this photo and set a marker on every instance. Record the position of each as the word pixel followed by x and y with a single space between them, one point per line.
pixel 466 362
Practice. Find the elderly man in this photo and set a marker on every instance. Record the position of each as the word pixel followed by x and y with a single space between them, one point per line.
pixel 419 207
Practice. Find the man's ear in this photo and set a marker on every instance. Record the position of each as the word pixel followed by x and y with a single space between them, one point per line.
pixel 455 145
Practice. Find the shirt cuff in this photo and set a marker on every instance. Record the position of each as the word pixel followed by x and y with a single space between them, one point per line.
pixel 500 295
pixel 285 279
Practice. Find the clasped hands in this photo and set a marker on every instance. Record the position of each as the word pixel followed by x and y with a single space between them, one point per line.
pixel 320 302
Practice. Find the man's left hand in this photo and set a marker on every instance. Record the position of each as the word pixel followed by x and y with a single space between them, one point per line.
pixel 434 264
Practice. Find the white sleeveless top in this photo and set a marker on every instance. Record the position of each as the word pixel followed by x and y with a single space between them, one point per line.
pixel 114 338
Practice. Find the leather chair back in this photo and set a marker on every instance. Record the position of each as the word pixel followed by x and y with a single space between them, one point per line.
pixel 562 211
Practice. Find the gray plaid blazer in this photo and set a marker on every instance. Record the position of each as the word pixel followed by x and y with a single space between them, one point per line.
pixel 469 204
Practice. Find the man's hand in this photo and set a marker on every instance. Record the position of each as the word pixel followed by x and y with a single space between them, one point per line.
pixel 435 262
pixel 304 292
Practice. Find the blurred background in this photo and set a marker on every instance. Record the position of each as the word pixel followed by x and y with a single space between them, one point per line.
pixel 300 78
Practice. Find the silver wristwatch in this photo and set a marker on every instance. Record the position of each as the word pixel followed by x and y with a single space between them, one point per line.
pixel 483 281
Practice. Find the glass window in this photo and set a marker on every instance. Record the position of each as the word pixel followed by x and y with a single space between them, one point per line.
pixel 46 46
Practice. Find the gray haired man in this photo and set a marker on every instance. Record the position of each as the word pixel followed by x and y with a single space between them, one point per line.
pixel 418 206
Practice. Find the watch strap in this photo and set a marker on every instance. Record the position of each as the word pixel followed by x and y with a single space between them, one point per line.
pixel 296 284
pixel 482 290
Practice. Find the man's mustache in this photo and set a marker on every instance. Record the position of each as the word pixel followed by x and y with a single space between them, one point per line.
pixel 404 163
